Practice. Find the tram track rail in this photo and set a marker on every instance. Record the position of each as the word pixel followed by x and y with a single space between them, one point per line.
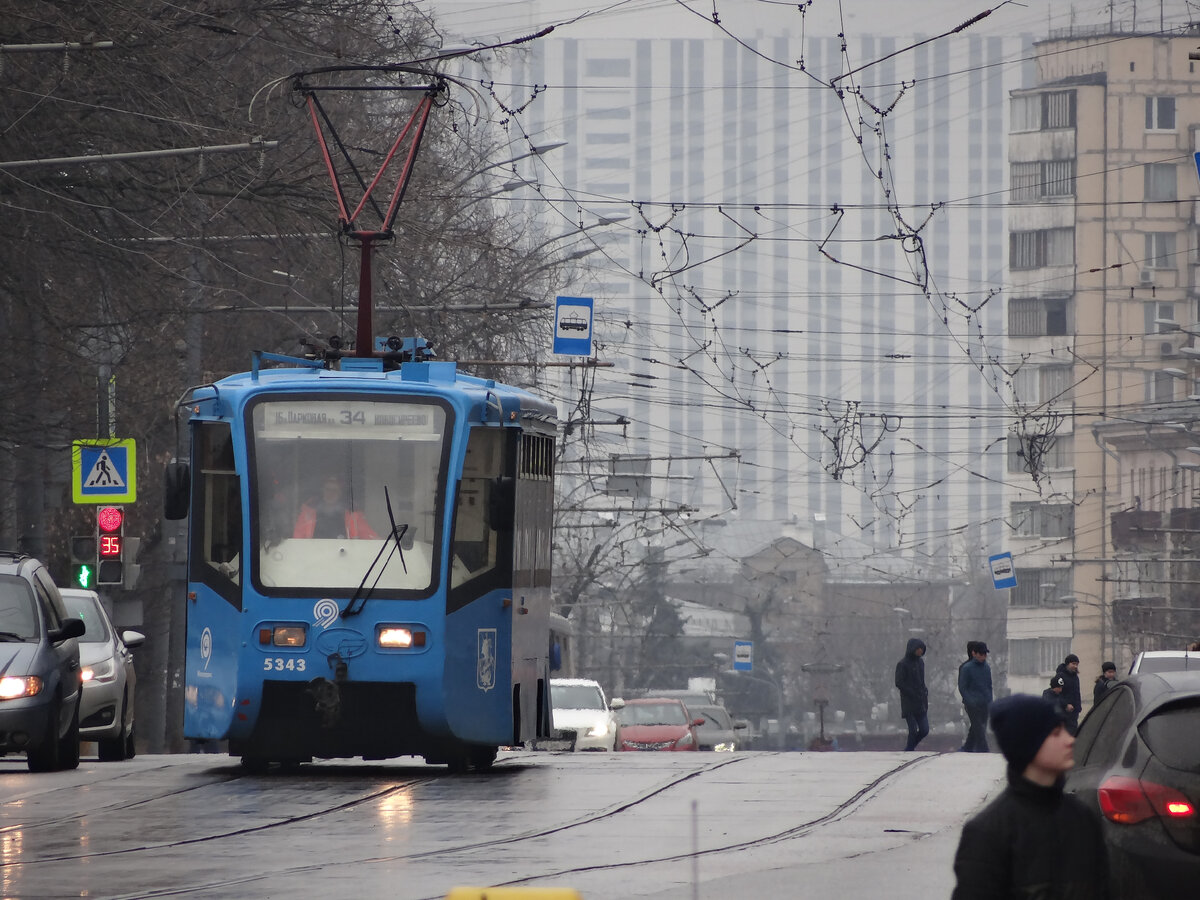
pixel 454 852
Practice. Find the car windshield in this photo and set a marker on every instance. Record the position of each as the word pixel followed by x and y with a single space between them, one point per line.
pixel 18 616
pixel 653 714
pixel 1173 734
pixel 575 696
pixel 86 608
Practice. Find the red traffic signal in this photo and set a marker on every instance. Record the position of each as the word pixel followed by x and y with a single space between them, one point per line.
pixel 109 519
pixel 110 544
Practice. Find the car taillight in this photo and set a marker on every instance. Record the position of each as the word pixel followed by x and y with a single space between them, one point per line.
pixel 1128 801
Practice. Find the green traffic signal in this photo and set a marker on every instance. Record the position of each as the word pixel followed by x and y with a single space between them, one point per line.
pixel 83 575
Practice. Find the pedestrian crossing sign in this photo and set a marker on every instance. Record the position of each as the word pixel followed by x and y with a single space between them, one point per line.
pixel 104 471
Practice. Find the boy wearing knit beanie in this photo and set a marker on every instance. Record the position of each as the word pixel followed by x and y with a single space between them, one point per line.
pixel 1032 840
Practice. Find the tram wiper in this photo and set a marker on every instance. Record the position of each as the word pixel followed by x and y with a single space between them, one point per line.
pixel 10 636
pixel 395 538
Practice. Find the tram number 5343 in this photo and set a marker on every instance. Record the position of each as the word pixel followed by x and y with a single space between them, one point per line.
pixel 278 664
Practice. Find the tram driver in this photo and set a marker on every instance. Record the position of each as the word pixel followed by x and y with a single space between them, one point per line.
pixel 330 515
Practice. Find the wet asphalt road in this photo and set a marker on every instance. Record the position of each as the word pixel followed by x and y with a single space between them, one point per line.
pixel 698 825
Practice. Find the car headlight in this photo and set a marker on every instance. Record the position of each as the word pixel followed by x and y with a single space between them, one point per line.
pixel 686 741
pixel 103 671
pixel 13 687
pixel 600 730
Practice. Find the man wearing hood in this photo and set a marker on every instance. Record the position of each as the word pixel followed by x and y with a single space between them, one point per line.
pixel 914 696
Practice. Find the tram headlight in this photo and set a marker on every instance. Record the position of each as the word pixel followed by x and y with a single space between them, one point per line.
pixel 283 636
pixel 400 637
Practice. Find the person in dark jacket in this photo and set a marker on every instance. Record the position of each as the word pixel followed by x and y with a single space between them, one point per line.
pixel 914 696
pixel 975 688
pixel 1108 677
pixel 1068 671
pixel 1054 694
pixel 1032 841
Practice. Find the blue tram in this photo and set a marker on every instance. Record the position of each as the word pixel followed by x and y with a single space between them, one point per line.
pixel 368 563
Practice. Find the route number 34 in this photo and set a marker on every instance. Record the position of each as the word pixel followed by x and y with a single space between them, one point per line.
pixel 278 664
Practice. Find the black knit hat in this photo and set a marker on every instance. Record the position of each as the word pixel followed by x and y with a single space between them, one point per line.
pixel 1109 667
pixel 1058 681
pixel 1022 723
pixel 1071 658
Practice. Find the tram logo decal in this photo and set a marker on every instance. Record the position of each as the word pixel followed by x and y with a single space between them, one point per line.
pixel 206 647
pixel 325 613
pixel 485 659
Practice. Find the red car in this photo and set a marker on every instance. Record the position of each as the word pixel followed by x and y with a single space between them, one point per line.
pixel 655 723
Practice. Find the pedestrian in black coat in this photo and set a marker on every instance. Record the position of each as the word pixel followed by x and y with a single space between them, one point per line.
pixel 1054 694
pixel 1032 841
pixel 1068 670
pixel 914 696
pixel 1108 677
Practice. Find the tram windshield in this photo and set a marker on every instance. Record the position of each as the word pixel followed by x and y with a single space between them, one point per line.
pixel 320 467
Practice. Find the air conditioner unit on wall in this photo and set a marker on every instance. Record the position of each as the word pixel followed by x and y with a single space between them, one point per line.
pixel 1166 348
pixel 1147 276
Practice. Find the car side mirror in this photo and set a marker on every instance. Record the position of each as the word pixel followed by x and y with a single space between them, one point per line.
pixel 71 628
pixel 697 721
pixel 132 638
pixel 740 724
pixel 617 703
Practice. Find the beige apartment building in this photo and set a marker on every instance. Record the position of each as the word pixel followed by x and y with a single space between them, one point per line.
pixel 1104 353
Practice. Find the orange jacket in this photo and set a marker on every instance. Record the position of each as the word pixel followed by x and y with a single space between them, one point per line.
pixel 357 525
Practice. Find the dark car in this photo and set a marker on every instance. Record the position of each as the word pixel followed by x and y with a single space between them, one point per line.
pixel 1137 765
pixel 655 723
pixel 719 731
pixel 40 685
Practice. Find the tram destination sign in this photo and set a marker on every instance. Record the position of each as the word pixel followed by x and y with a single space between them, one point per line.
pixel 348 418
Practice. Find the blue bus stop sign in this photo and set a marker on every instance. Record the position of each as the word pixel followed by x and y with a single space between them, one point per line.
pixel 743 656
pixel 1003 573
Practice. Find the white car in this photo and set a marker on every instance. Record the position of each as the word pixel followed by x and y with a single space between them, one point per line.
pixel 106 709
pixel 581 714
pixel 1165 661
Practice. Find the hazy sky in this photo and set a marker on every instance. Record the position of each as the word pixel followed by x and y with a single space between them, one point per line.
pixel 486 19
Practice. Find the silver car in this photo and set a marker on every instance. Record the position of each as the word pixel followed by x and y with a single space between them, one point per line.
pixel 106 710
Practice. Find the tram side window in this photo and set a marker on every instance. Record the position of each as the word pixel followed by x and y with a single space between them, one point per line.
pixel 476 542
pixel 217 513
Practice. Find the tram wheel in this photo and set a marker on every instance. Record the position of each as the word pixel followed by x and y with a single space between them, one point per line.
pixel 482 758
pixel 255 765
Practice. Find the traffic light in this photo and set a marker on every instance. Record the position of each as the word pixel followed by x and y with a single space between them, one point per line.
pixel 110 545
pixel 83 561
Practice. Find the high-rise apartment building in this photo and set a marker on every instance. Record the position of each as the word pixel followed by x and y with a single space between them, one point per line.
pixel 1102 312
pixel 780 345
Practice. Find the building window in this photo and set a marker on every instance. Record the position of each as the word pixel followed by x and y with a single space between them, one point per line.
pixel 1058 110
pixel 1160 250
pixel 606 68
pixel 1036 656
pixel 1039 385
pixel 1160 181
pixel 1035 453
pixel 1036 316
pixel 1040 587
pixel 1043 112
pixel 1160 113
pixel 1157 310
pixel 1049 178
pixel 1053 520
pixel 1046 247
pixel 1161 387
